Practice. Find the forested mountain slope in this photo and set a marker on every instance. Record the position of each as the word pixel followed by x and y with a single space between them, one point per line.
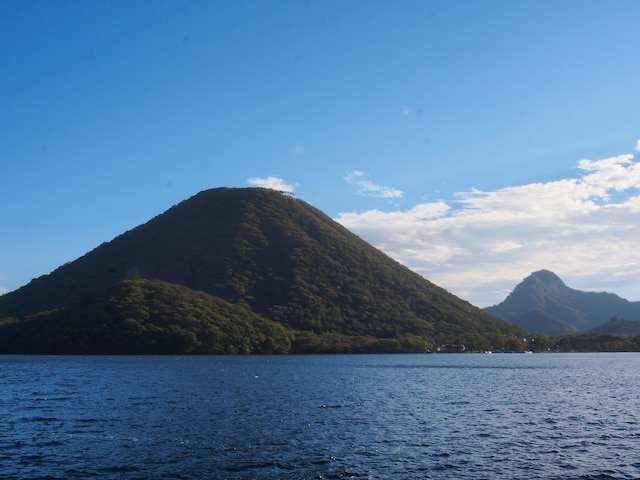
pixel 268 253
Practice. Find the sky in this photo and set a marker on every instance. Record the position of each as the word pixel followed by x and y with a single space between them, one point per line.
pixel 474 142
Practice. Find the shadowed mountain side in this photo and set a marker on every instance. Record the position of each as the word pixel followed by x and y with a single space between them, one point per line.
pixel 542 303
pixel 280 257
pixel 619 326
pixel 537 321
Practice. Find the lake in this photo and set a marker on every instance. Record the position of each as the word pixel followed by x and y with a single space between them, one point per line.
pixel 442 416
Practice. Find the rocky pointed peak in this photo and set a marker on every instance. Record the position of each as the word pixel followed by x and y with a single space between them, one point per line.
pixel 543 292
pixel 536 290
pixel 545 277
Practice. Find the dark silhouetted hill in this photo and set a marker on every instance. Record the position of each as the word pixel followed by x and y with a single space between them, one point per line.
pixel 238 260
pixel 619 326
pixel 542 303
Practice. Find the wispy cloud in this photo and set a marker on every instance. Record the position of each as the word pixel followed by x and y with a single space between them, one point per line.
pixel 638 146
pixel 274 183
pixel 483 242
pixel 297 149
pixel 368 188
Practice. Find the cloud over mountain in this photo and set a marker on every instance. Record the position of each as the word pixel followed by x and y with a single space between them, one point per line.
pixel 273 183
pixel 481 242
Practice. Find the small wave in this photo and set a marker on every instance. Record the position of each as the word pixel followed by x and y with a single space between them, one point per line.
pixel 119 469
pixel 40 419
pixel 87 420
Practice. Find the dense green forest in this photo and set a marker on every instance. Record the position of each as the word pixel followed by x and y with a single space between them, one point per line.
pixel 584 342
pixel 597 342
pixel 155 317
pixel 147 317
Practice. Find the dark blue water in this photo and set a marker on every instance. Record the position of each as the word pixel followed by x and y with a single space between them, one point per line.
pixel 551 416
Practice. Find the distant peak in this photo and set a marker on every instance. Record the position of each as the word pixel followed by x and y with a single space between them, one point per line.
pixel 546 276
pixel 537 288
pixel 544 273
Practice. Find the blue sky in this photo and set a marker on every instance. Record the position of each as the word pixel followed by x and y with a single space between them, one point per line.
pixel 475 142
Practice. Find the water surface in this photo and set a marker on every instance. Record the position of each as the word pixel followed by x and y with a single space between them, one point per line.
pixel 465 416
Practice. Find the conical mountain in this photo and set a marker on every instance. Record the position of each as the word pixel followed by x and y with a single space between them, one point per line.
pixel 542 303
pixel 271 254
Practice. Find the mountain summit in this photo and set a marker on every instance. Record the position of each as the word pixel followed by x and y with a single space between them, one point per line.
pixel 542 303
pixel 249 260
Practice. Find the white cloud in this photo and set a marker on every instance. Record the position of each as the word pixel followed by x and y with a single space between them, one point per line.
pixel 297 149
pixel 483 243
pixel 368 188
pixel 638 146
pixel 274 183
